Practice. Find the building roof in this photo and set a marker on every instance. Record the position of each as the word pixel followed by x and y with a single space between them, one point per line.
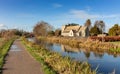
pixel 74 28
pixel 83 28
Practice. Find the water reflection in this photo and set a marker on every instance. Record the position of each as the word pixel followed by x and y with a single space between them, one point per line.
pixel 68 49
pixel 15 48
pixel 87 54
pixel 107 61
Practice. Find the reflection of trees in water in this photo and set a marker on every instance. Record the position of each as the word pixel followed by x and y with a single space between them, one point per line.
pixel 44 44
pixel 115 56
pixel 99 55
pixel 87 54
pixel 69 49
pixel 49 45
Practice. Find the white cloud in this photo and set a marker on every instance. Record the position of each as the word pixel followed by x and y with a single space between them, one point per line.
pixel 56 5
pixel 2 25
pixel 82 14
pixel 15 27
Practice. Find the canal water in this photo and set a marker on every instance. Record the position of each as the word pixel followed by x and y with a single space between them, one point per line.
pixel 104 62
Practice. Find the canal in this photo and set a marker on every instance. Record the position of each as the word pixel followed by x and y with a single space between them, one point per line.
pixel 104 62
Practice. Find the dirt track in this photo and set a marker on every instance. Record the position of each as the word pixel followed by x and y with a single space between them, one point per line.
pixel 19 61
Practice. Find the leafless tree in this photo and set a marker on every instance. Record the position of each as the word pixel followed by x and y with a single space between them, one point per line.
pixel 42 28
pixel 57 32
pixel 101 25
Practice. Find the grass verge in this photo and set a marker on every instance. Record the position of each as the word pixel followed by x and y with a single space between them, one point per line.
pixel 3 52
pixel 47 69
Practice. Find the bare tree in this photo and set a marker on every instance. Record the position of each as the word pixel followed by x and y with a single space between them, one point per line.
pixel 101 25
pixel 57 32
pixel 42 28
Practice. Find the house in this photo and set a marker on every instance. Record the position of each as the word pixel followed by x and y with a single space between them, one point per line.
pixel 75 31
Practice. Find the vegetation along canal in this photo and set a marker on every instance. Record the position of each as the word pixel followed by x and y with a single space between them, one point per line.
pixel 104 62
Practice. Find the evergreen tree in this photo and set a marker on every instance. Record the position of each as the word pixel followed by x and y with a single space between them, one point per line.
pixel 88 24
pixel 94 30
pixel 115 30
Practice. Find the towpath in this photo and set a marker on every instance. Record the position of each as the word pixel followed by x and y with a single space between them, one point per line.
pixel 19 61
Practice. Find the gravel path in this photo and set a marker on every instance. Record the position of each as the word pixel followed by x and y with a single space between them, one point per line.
pixel 19 61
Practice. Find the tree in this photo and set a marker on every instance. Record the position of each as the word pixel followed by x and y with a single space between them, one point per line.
pixel 51 33
pixel 88 24
pixel 17 32
pixel 94 30
pixel 57 32
pixel 101 26
pixel 115 30
pixel 42 28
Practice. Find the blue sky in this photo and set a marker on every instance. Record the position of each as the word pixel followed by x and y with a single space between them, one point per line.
pixel 24 14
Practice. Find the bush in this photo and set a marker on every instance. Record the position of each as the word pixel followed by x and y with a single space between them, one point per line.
pixel 106 39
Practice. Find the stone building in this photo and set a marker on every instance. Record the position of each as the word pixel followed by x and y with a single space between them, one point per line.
pixel 75 31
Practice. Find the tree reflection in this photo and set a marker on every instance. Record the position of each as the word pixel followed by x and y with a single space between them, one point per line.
pixel 69 49
pixel 87 54
pixel 99 55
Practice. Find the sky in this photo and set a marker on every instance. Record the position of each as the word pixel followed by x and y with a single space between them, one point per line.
pixel 24 14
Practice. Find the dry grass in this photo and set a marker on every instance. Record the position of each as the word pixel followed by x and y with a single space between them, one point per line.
pixel 81 43
pixel 62 65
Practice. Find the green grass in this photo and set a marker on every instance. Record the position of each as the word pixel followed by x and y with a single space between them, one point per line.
pixel 3 51
pixel 115 50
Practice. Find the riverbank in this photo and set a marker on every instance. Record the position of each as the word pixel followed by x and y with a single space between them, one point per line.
pixel 82 43
pixel 59 64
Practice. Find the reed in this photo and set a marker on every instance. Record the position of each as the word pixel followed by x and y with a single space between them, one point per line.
pixel 82 43
pixel 59 64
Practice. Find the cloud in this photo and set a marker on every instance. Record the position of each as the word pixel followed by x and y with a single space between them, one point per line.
pixel 56 5
pixel 82 14
pixel 2 25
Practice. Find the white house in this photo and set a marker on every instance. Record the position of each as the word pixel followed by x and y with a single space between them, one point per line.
pixel 75 31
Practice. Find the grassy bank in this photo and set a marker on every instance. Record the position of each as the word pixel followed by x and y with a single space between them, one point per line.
pixel 116 50
pixel 4 47
pixel 116 43
pixel 54 63
pixel 82 43
pixel 31 48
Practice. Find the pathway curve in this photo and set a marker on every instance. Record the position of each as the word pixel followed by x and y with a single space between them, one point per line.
pixel 19 61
